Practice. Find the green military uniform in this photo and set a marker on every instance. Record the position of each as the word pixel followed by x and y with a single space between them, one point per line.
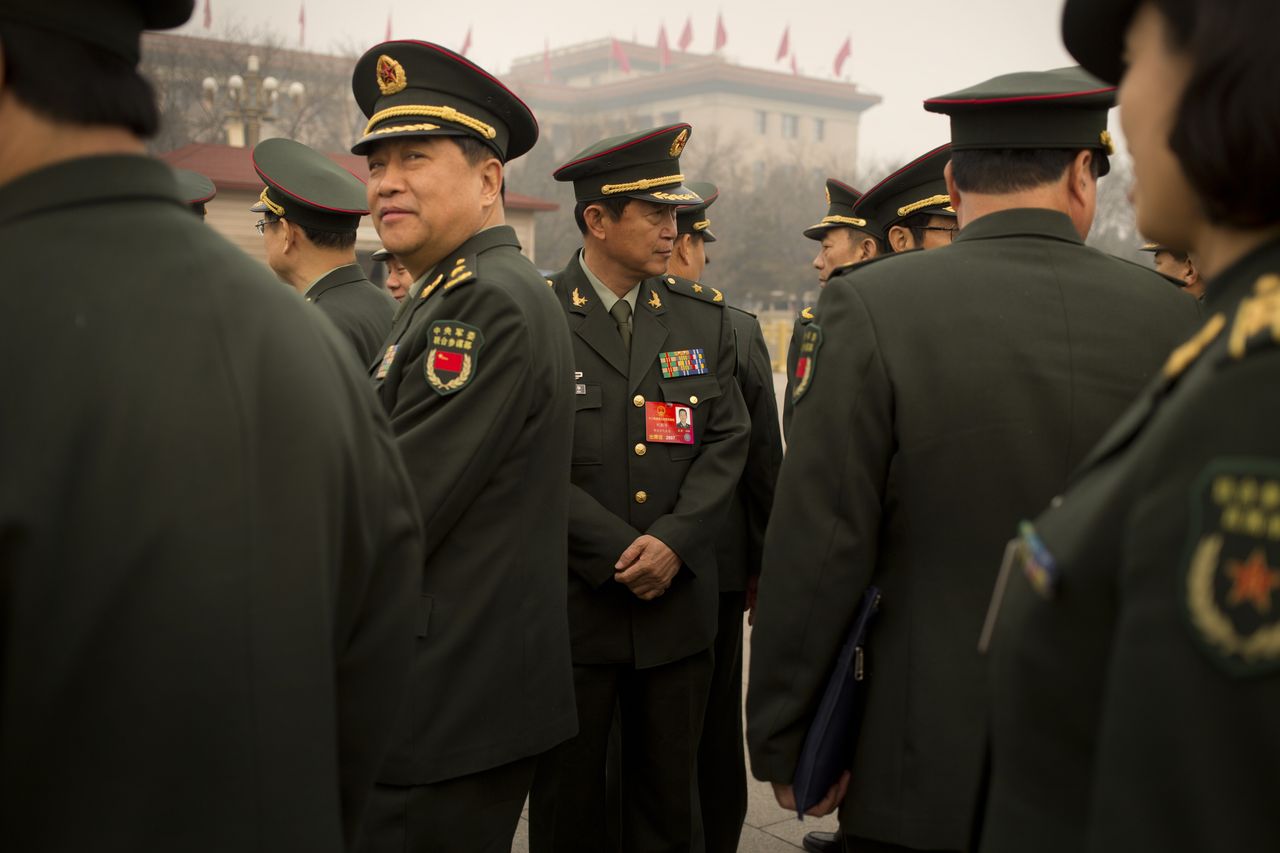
pixel 1134 656
pixel 946 392
pixel 722 772
pixel 650 657
pixel 309 189
pixel 476 376
pixel 205 529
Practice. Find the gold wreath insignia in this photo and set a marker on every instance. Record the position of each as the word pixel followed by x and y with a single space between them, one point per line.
pixel 391 77
pixel 655 301
pixel 578 299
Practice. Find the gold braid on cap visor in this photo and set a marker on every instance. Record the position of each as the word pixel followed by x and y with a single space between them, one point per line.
pixel 844 220
pixel 637 186
pixel 931 201
pixel 271 205
pixel 443 113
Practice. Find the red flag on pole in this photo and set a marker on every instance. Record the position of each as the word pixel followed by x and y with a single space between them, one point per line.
pixel 845 50
pixel 721 35
pixel 546 61
pixel 686 35
pixel 302 24
pixel 620 57
pixel 466 43
pixel 388 37
pixel 785 46
pixel 208 14
pixel 664 50
pixel 794 69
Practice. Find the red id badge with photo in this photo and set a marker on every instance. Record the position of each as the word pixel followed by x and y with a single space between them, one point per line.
pixel 668 423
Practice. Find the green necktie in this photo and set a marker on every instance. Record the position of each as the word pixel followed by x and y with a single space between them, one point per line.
pixel 621 312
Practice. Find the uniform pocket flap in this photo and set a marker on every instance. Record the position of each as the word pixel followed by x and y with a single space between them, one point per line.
pixel 586 397
pixel 690 390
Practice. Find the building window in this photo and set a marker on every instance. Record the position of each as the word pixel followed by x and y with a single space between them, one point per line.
pixel 762 122
pixel 789 126
pixel 819 129
pixel 671 117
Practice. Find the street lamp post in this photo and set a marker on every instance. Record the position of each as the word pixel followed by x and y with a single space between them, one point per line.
pixel 251 101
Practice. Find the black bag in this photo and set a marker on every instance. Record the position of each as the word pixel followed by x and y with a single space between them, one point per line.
pixel 833 735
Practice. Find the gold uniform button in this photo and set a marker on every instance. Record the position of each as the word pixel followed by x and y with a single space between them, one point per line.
pixel 638 401
pixel 642 496
pixel 641 450
pixel 693 399
pixel 671 281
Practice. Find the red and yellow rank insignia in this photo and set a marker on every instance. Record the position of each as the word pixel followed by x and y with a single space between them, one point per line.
pixel 391 77
pixel 806 362
pixel 1232 576
pixel 452 355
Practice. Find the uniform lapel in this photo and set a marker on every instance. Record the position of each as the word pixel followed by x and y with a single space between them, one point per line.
pixel 589 320
pixel 649 333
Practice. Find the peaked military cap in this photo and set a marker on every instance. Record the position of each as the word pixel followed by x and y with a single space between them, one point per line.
pixel 692 218
pixel 381 254
pixel 307 188
pixel 416 88
pixel 113 25
pixel 644 165
pixel 1062 108
pixel 193 187
pixel 840 201
pixel 1093 32
pixel 918 187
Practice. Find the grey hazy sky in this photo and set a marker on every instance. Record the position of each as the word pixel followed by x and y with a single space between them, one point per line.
pixel 904 51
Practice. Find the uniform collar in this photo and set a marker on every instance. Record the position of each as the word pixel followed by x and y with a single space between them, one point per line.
pixel 607 297
pixel 1022 222
pixel 88 181
pixel 1235 284
pixel 335 277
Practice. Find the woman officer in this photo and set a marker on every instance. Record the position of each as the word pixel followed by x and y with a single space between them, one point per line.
pixel 1136 651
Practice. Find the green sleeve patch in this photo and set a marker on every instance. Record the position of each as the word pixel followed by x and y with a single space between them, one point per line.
pixel 1231 573
pixel 806 361
pixel 453 353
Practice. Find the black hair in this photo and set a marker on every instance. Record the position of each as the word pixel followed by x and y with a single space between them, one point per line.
pixel 916 223
pixel 91 85
pixel 329 239
pixel 1008 170
pixel 615 207
pixel 1227 131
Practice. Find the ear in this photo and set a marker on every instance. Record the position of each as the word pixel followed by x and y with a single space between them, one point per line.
pixel 594 217
pixel 683 248
pixel 954 192
pixel 867 248
pixel 490 181
pixel 899 239
pixel 1080 182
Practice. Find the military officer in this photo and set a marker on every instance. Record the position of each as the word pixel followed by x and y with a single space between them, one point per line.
pixel 477 378
pixel 1177 266
pixel 648 500
pixel 1134 661
pixel 310 210
pixel 196 190
pixel 398 279
pixel 206 536
pixel 946 392
pixel 722 771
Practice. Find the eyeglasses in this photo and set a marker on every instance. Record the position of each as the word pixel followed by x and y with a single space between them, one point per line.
pixel 262 224
pixel 950 230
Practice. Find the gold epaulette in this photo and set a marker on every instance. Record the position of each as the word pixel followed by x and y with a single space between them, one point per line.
pixel 1257 321
pixel 461 272
pixel 693 289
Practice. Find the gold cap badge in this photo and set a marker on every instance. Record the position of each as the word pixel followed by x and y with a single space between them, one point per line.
pixel 391 77
pixel 1107 142
pixel 678 145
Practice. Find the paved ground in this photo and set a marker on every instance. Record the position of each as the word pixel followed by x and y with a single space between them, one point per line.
pixel 768 829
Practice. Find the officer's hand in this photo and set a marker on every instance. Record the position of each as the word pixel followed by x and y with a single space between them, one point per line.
pixel 786 797
pixel 647 567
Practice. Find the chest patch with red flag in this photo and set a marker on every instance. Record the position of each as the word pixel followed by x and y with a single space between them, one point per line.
pixel 452 356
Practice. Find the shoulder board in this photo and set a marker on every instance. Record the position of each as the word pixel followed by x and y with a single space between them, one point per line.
pixel 1256 327
pixel 693 289
pixel 458 271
